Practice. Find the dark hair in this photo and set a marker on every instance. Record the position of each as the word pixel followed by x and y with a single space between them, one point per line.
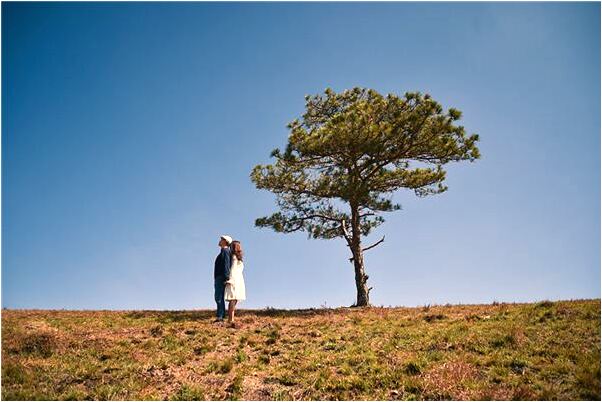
pixel 236 249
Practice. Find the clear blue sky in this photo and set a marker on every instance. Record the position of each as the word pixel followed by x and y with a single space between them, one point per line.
pixel 129 132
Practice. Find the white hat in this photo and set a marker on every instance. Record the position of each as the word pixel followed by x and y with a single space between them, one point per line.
pixel 226 238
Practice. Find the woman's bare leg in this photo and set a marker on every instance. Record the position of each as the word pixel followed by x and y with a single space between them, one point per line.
pixel 231 305
pixel 231 308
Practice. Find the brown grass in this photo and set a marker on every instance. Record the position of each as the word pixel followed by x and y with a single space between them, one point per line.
pixel 547 350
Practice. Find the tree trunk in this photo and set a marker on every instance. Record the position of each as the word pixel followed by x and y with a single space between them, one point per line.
pixel 361 279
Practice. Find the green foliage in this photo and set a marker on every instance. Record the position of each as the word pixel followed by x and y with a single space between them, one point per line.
pixel 413 368
pixel 13 373
pixel 221 367
pixel 40 344
pixel 235 388
pixel 358 147
pixel 240 356
pixel 188 393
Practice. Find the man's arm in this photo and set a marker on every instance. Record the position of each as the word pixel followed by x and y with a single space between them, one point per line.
pixel 227 262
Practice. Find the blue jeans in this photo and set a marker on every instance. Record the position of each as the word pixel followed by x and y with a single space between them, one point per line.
pixel 220 287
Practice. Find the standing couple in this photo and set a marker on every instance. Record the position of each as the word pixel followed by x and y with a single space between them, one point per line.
pixel 229 282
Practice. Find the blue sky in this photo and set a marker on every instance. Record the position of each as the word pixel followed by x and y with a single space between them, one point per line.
pixel 129 132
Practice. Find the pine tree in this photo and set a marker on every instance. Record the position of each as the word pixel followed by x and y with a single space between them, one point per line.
pixel 348 154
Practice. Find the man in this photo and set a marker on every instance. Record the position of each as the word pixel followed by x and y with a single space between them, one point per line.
pixel 221 273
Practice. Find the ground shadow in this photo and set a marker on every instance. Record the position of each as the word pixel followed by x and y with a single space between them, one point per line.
pixel 170 316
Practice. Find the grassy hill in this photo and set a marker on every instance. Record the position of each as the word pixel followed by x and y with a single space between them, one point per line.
pixel 546 350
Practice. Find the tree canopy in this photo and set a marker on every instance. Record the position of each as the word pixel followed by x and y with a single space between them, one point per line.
pixel 348 154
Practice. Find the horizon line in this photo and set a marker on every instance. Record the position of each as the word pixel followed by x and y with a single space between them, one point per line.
pixel 269 308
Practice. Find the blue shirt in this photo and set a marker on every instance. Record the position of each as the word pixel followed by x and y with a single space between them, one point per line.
pixel 222 264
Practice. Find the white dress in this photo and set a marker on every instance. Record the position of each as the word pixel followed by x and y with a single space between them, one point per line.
pixel 236 289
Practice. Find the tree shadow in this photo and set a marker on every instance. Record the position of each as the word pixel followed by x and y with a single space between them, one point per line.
pixel 171 316
pixel 297 313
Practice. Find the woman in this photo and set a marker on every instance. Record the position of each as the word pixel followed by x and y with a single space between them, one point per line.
pixel 235 285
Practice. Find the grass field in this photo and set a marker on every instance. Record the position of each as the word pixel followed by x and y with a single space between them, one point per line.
pixel 546 350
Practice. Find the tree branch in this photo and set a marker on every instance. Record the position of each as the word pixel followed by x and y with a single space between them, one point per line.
pixel 401 153
pixel 345 232
pixel 325 217
pixel 374 245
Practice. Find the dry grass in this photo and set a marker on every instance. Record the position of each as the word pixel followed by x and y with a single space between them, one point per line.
pixel 547 350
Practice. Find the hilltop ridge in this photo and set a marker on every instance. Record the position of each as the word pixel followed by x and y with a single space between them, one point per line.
pixel 504 350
